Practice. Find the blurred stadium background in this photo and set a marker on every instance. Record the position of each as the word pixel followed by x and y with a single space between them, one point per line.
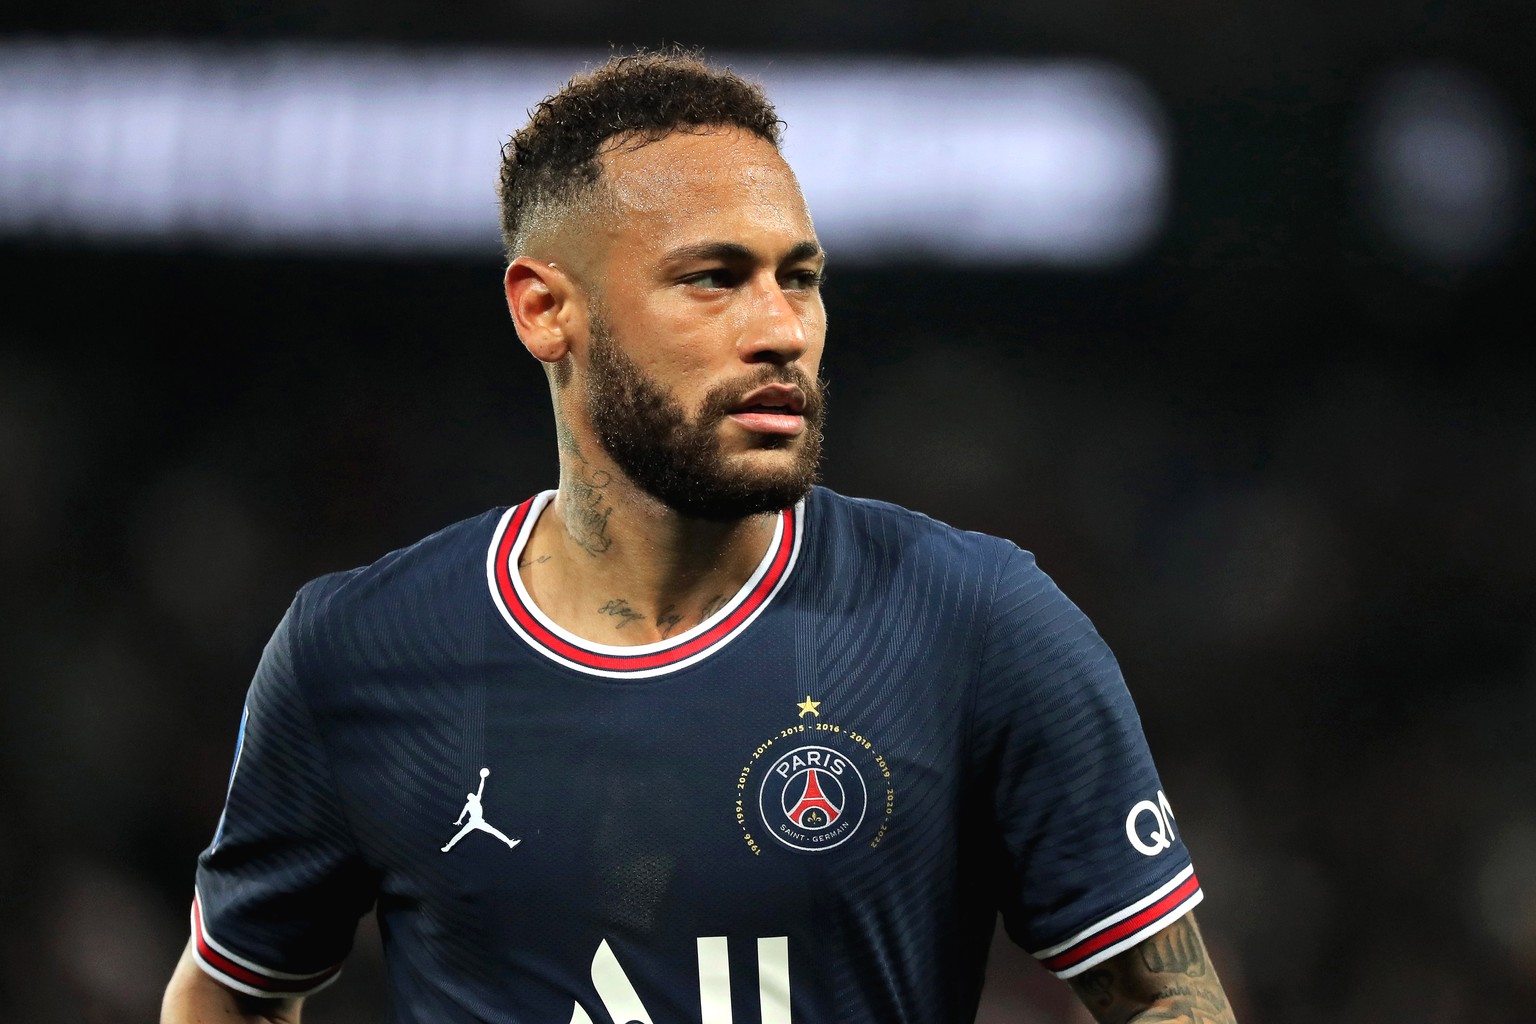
pixel 1221 309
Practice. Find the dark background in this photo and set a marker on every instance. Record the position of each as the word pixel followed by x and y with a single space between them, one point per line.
pixel 1285 461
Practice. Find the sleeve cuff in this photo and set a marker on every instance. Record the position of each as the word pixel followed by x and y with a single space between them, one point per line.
pixel 1124 928
pixel 247 976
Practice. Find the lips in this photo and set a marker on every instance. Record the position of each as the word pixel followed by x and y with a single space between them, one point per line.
pixel 781 399
pixel 774 409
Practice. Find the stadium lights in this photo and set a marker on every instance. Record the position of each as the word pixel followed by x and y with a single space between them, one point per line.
pixel 1443 166
pixel 308 148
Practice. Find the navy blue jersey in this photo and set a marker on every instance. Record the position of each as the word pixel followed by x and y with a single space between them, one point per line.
pixel 809 808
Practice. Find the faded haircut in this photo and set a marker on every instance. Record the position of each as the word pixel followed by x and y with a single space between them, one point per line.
pixel 636 98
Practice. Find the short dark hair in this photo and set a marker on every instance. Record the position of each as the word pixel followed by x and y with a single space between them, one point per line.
pixel 643 96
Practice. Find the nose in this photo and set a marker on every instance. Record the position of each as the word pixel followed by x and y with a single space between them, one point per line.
pixel 776 328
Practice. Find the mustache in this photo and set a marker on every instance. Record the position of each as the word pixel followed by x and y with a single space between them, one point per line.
pixel 722 398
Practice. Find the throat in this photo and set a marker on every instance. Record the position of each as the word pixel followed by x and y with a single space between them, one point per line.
pixel 631 580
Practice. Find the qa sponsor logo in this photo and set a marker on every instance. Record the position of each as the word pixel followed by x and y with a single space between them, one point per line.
pixel 1149 826
pixel 813 787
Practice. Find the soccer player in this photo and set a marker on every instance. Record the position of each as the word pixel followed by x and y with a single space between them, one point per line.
pixel 771 755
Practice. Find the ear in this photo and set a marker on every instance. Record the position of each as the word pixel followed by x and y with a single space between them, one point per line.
pixel 545 305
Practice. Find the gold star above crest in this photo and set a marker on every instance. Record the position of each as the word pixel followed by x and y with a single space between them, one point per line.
pixel 808 707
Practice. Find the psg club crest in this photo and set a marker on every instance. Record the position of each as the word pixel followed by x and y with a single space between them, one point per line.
pixel 812 798
pixel 815 786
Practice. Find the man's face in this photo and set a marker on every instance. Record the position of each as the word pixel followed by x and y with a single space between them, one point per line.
pixel 681 459
pixel 701 376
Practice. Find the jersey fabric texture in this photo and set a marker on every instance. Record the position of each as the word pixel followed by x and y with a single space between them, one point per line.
pixel 807 809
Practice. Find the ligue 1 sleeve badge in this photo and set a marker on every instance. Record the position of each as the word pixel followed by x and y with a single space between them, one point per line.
pixel 814 786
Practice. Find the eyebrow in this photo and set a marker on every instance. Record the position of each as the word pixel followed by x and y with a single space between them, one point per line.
pixel 735 252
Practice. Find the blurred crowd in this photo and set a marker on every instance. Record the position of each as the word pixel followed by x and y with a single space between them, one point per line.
pixel 1306 535
pixel 1283 459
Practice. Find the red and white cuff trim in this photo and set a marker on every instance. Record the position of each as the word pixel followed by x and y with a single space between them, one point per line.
pixel 247 976
pixel 1125 928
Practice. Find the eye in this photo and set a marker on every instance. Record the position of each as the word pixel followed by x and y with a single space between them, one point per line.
pixel 715 277
pixel 805 280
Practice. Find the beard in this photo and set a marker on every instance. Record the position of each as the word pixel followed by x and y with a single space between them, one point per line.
pixel 679 460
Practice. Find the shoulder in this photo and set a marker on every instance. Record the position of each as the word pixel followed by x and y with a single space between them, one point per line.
pixel 881 526
pixel 1026 616
pixel 864 535
pixel 444 570
pixel 873 554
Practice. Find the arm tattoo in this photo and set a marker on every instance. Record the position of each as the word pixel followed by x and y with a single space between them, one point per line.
pixel 1166 978
pixel 1174 951
pixel 620 609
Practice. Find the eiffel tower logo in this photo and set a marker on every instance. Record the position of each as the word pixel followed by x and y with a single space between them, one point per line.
pixel 813 809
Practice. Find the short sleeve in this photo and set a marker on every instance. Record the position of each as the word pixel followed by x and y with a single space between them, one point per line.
pixel 1092 859
pixel 281 887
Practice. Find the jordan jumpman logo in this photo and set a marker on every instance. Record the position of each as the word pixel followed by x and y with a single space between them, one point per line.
pixel 477 818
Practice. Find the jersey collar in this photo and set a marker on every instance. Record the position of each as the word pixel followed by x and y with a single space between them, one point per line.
pixel 559 645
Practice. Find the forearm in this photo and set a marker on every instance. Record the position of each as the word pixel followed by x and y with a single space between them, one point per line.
pixel 192 997
pixel 1187 1004
pixel 1166 979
